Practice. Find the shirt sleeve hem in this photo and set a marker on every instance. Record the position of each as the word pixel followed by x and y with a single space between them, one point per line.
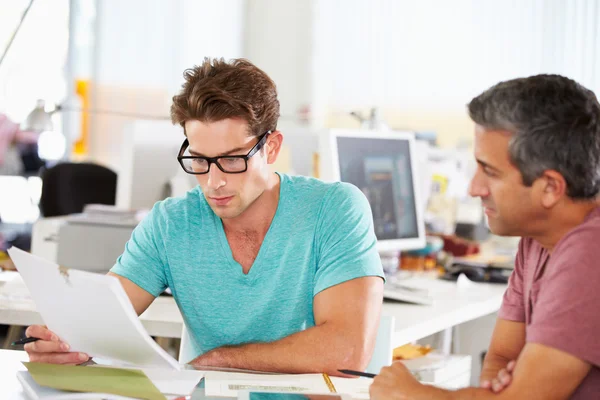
pixel 512 313
pixel 321 287
pixel 118 270
pixel 551 341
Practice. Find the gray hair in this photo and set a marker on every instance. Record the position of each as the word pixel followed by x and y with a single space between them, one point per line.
pixel 555 124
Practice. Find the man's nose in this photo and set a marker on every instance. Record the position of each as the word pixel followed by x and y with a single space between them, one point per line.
pixel 478 187
pixel 216 177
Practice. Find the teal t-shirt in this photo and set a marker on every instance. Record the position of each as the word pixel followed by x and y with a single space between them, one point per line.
pixel 321 235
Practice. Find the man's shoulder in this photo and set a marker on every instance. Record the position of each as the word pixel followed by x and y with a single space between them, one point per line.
pixel 581 240
pixel 189 204
pixel 574 258
pixel 341 194
pixel 308 185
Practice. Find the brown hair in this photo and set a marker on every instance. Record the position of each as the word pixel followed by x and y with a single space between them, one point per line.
pixel 218 90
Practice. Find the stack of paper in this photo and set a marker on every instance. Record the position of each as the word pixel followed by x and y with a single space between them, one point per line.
pixel 89 311
pixel 93 314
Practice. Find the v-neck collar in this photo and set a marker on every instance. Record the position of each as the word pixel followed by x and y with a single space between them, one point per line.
pixel 255 269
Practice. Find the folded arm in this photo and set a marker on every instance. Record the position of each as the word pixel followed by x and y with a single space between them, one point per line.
pixel 542 372
pixel 346 323
pixel 507 343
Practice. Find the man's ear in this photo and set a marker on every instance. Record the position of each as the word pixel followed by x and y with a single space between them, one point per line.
pixel 273 146
pixel 553 188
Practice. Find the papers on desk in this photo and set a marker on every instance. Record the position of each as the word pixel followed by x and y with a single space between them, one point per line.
pixel 33 391
pixel 107 215
pixel 129 383
pixel 227 384
pixel 407 291
pixel 168 382
pixel 7 276
pixel 91 312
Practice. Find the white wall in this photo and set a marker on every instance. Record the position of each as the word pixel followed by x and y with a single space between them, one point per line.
pixel 142 49
pixel 278 38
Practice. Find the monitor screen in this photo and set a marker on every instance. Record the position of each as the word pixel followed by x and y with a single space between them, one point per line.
pixel 148 163
pixel 382 166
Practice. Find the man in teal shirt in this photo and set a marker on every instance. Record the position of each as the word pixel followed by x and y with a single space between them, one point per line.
pixel 270 272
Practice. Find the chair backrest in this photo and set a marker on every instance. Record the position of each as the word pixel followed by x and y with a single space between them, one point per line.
pixel 68 187
pixel 382 355
pixel 186 348
pixel 384 345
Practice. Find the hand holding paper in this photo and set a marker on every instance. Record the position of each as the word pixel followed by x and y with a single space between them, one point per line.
pixel 90 312
pixel 49 349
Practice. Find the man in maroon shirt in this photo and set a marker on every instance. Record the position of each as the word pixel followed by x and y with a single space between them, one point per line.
pixel 537 145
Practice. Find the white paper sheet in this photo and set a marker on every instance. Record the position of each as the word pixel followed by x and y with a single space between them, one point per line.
pixel 173 382
pixel 7 276
pixel 227 384
pixel 357 388
pixel 89 311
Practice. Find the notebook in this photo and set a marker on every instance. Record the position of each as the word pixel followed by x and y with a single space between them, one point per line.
pixel 33 391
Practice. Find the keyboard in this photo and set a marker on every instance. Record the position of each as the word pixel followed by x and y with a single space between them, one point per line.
pixel 401 291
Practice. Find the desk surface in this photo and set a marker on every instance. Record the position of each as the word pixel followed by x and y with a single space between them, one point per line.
pixel 453 304
pixel 10 363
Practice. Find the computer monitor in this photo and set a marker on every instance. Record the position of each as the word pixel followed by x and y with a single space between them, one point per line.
pixel 149 163
pixel 382 165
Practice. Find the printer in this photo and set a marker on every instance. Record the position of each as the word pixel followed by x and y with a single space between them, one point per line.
pixel 91 241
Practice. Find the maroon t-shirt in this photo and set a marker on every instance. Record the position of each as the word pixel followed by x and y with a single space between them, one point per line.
pixel 560 303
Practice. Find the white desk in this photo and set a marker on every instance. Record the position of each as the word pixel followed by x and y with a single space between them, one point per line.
pixel 10 363
pixel 161 319
pixel 454 304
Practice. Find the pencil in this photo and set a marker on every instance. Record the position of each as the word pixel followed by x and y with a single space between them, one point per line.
pixel 357 373
pixel 23 341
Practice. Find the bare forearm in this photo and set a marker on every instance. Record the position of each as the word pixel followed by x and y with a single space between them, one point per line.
pixel 492 364
pixel 318 349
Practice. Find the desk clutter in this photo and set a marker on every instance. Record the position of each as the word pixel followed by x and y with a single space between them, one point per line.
pixel 45 381
pixel 431 367
pixel 446 257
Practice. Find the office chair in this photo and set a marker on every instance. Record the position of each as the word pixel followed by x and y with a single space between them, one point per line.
pixel 68 187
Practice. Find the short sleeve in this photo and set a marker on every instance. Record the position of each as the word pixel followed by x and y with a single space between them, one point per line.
pixel 513 307
pixel 565 306
pixel 346 243
pixel 143 262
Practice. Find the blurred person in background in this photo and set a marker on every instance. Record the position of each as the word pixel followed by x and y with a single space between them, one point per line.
pixel 12 135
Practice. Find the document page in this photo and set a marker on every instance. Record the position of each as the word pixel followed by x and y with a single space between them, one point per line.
pixel 89 311
pixel 227 384
pixel 117 381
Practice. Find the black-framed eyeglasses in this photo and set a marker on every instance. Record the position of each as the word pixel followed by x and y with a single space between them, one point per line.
pixel 197 165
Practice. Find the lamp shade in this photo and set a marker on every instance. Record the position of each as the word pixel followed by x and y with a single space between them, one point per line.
pixel 38 120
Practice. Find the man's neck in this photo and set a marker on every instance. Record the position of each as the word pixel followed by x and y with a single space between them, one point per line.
pixel 563 221
pixel 259 215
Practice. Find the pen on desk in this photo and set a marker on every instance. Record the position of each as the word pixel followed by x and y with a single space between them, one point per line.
pixel 357 373
pixel 24 341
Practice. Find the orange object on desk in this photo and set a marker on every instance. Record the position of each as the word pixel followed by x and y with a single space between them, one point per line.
pixel 459 247
pixel 418 262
